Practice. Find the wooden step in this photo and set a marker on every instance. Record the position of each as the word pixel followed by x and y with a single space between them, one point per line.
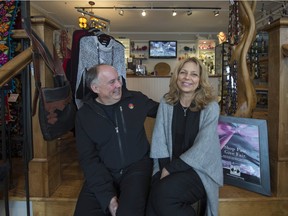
pixel 233 201
pixel 237 202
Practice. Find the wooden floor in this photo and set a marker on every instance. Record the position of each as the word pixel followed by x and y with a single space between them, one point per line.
pixel 233 201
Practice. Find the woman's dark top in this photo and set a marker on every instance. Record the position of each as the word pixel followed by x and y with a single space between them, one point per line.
pixel 184 132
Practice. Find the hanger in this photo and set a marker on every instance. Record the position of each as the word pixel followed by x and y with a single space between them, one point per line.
pixel 104 39
pixel 93 30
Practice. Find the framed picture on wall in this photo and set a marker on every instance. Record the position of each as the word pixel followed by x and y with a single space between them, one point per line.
pixel 244 150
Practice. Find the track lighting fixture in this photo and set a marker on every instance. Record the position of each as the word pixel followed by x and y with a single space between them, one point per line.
pixel 189 12
pixel 121 12
pixel 270 20
pixel 93 21
pixel 284 10
pixel 144 9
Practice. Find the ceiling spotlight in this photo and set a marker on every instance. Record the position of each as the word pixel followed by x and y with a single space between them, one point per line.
pixel 284 10
pixel 174 13
pixel 121 12
pixel 216 13
pixel 189 12
pixel 270 20
pixel 143 13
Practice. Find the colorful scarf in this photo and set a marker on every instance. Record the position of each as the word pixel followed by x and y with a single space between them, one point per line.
pixel 8 13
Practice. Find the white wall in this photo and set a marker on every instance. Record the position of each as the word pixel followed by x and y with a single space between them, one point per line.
pixel 153 87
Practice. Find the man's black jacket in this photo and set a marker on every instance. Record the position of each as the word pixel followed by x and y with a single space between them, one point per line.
pixel 110 143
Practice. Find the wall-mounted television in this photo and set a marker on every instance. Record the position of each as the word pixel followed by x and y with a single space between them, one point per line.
pixel 162 49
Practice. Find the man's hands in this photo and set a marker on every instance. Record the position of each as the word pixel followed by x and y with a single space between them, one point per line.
pixel 113 206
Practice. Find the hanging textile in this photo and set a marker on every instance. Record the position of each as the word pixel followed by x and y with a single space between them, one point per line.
pixel 8 13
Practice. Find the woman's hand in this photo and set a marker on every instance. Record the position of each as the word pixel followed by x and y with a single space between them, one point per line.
pixel 164 173
pixel 113 206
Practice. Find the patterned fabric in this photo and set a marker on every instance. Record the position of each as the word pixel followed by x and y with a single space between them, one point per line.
pixel 9 48
pixel 8 12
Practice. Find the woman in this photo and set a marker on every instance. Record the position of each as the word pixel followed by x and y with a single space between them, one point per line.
pixel 185 145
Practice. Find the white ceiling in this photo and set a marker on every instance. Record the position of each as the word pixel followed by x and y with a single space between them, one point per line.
pixel 157 24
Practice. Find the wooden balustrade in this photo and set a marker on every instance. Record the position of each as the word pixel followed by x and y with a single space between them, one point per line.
pixel 15 66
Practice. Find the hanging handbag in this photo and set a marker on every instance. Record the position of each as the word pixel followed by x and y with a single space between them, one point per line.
pixel 56 110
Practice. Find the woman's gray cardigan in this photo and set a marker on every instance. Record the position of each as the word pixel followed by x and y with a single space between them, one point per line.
pixel 205 154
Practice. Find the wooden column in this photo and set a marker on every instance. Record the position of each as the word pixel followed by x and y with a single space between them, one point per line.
pixel 44 169
pixel 278 107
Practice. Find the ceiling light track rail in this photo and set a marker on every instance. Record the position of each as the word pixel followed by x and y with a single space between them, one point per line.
pixel 151 8
pixel 99 22
pixel 93 15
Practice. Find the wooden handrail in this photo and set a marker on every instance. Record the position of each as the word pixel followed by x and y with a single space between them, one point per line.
pixel 15 66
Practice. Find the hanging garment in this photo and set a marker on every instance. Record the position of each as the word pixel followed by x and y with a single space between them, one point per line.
pixel 72 66
pixel 94 50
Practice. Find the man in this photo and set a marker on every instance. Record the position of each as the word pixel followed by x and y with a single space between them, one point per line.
pixel 113 147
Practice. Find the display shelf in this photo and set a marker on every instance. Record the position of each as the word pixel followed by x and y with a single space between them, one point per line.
pixel 139 50
pixel 186 49
pixel 258 64
pixel 259 87
pixel 140 58
pixel 262 99
pixel 206 52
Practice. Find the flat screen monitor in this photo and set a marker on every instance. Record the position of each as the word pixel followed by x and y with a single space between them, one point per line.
pixel 162 49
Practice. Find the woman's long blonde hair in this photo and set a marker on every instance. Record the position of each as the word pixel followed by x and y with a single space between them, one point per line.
pixel 203 94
